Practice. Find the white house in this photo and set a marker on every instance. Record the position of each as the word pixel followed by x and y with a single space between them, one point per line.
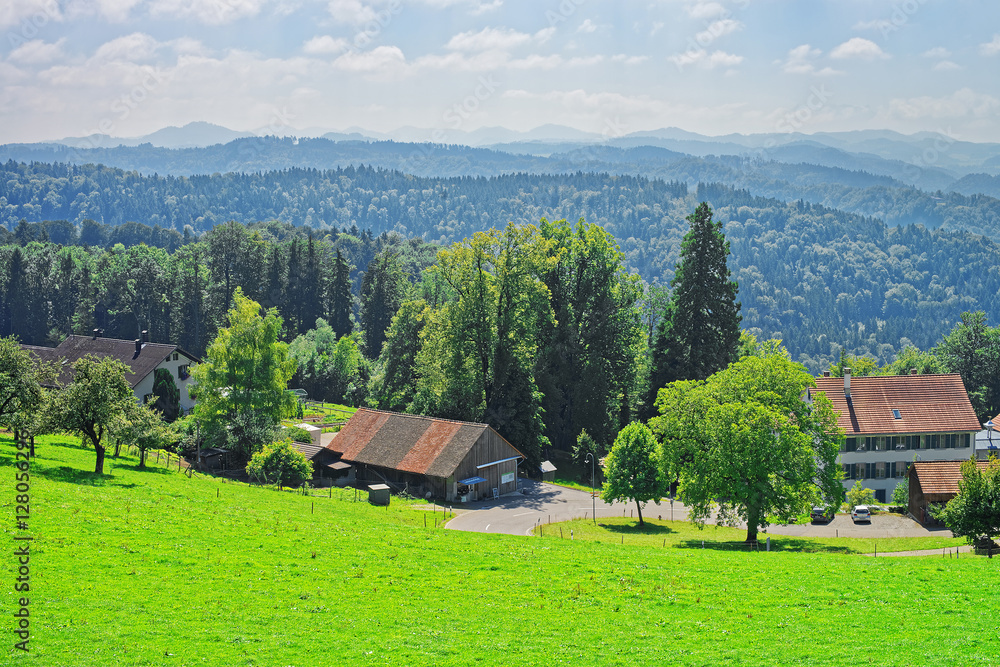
pixel 890 421
pixel 142 358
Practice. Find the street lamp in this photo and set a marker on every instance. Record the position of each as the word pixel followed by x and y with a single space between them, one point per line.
pixel 593 498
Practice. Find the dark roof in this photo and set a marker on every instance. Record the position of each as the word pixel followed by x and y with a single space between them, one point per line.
pixel 940 477
pixel 409 443
pixel 926 404
pixel 140 363
pixel 316 453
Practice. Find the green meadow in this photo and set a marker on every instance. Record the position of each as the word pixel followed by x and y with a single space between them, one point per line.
pixel 152 567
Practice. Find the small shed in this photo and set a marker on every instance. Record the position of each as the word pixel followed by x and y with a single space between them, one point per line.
pixel 933 482
pixel 378 494
pixel 548 471
pixel 315 433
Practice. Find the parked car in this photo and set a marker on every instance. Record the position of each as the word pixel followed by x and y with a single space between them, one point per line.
pixel 861 513
pixel 822 514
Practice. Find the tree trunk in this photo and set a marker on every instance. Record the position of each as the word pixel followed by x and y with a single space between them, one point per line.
pixel 142 458
pixel 753 521
pixel 31 442
pixel 99 468
pixel 118 446
pixel 639 508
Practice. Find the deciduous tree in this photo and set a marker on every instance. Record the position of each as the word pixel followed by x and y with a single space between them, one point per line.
pixel 748 442
pixel 633 470
pixel 975 512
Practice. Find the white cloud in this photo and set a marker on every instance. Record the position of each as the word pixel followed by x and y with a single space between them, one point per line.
pixel 484 7
pixel 991 48
pixel 131 48
pixel 962 103
pixel 116 11
pixel 717 29
pixel 946 66
pixel 324 45
pixel 702 58
pixel 545 34
pixel 937 52
pixel 351 11
pixel 858 47
pixel 212 12
pixel 657 27
pixel 587 26
pixel 706 10
pixel 488 39
pixel 37 52
pixel 37 13
pixel 382 60
pixel 800 61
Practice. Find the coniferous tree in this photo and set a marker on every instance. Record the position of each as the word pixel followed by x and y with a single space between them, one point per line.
pixel 340 296
pixel 700 332
pixel 382 290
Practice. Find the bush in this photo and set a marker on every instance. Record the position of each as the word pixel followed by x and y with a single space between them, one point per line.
pixel 296 434
pixel 281 464
pixel 859 495
pixel 901 494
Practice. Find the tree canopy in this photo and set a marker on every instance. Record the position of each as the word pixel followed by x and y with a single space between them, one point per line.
pixel 975 512
pixel 748 442
pixel 699 333
pixel 246 370
pixel 633 470
pixel 21 380
pixel 98 401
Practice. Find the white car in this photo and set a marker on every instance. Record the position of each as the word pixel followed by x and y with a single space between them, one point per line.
pixel 861 513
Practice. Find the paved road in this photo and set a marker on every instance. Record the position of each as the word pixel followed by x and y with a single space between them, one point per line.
pixel 545 503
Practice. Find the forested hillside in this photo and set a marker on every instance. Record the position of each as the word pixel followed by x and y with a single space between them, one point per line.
pixel 815 276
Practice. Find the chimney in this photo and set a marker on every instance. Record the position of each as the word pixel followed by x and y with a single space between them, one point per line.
pixel 913 371
pixel 138 345
pixel 826 374
pixel 847 382
pixel 97 334
pixel 145 335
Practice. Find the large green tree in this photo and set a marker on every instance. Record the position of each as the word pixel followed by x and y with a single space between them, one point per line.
pixel 382 291
pixel 21 379
pixel 394 382
pixel 633 470
pixel 751 441
pixel 975 512
pixel 479 350
pixel 589 353
pixel 246 370
pixel 700 332
pixel 972 349
pixel 99 401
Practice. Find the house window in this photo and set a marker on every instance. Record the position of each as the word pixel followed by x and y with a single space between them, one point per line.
pixel 859 471
pixel 849 471
pixel 879 443
pixel 850 444
pixel 895 414
pixel 880 470
pixel 968 440
pixel 901 468
pixel 174 357
pixel 184 372
pixel 935 441
pixel 925 442
pixel 913 442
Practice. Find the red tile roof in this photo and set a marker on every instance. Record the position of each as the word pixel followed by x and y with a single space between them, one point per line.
pixel 926 404
pixel 410 443
pixel 940 477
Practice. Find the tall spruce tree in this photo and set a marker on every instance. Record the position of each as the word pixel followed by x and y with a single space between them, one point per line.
pixel 700 332
pixel 339 297
pixel 382 290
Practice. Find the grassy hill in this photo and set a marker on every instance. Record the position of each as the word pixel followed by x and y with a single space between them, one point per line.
pixel 150 567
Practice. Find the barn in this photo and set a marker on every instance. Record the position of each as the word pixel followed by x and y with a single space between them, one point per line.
pixel 934 482
pixel 449 459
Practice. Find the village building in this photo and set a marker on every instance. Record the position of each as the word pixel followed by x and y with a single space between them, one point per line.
pixel 891 421
pixel 457 461
pixel 933 482
pixel 141 357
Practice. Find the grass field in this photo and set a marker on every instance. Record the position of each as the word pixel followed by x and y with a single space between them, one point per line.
pixel 150 567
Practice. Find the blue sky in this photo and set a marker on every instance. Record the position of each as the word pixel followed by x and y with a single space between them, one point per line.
pixel 129 67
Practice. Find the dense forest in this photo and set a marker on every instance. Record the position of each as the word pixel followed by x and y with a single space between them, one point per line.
pixel 814 276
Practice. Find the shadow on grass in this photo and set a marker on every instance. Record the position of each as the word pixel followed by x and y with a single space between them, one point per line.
pixel 84 477
pixel 783 544
pixel 647 528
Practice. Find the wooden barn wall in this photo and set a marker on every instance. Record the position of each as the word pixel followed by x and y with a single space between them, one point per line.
pixel 488 448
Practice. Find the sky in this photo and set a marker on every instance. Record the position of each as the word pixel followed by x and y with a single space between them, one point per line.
pixel 129 67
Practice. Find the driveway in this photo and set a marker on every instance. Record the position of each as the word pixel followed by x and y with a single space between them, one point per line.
pixel 544 503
